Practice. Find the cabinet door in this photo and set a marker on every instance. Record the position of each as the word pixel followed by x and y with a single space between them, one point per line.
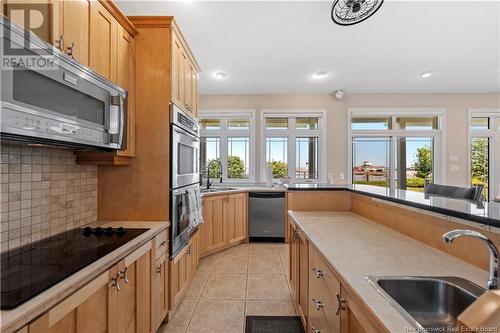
pixel 125 78
pixel 235 222
pixel 178 276
pixel 183 59
pixel 174 63
pixel 303 293
pixel 133 298
pixel 213 229
pixel 90 309
pixel 75 29
pixel 188 74
pixel 194 91
pixel 294 263
pixel 160 291
pixel 103 41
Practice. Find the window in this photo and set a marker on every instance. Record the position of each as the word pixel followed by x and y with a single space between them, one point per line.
pixel 210 151
pixel 229 137
pixel 394 149
pixel 484 152
pixel 292 144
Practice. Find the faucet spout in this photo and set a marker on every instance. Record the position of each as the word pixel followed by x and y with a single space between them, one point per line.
pixel 494 274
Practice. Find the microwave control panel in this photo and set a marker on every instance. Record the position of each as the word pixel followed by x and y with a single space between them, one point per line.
pixel 16 122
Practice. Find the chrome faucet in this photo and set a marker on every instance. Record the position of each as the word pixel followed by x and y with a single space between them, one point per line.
pixel 209 183
pixel 494 277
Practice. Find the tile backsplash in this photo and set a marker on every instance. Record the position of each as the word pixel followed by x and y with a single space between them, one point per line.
pixel 43 192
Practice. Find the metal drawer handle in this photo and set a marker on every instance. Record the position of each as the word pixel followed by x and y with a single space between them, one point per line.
pixel 163 243
pixel 159 269
pixel 71 50
pixel 60 43
pixel 315 330
pixel 188 252
pixel 340 304
pixel 319 272
pixel 318 304
pixel 114 283
pixel 123 275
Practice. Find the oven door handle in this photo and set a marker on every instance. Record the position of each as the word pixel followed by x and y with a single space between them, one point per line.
pixel 194 138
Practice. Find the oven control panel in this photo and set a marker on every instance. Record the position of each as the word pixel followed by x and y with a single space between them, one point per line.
pixel 187 122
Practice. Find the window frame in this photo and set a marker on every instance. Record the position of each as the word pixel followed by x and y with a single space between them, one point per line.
pixel 224 133
pixel 395 132
pixel 292 133
pixel 494 147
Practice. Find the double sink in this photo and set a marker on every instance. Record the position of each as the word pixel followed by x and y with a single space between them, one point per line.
pixel 432 304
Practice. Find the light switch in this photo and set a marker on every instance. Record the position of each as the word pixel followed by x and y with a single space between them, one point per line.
pixel 454 167
pixel 453 158
pixel 342 176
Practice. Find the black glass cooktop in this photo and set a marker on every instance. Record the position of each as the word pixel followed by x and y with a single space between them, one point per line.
pixel 31 269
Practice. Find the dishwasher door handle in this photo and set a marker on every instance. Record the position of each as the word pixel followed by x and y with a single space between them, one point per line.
pixel 266 194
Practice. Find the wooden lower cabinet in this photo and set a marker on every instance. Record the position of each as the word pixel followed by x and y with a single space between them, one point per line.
pixel 116 301
pixel 226 221
pixel 183 268
pixel 299 277
pixel 332 308
pixel 160 291
pixel 130 297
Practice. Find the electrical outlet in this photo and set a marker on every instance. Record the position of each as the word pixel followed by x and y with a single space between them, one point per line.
pixel 342 176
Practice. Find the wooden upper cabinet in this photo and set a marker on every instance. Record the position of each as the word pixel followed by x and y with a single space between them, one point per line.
pixel 103 41
pixel 73 38
pixel 184 75
pixel 175 70
pixel 125 78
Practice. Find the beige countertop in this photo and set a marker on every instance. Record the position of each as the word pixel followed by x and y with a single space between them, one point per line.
pixel 12 320
pixel 357 247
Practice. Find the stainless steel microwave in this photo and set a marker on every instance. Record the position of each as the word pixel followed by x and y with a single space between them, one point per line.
pixel 63 103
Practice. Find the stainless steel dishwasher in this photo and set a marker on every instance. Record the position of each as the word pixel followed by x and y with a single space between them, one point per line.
pixel 266 216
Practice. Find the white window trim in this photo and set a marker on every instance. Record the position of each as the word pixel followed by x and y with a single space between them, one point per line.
pixel 494 153
pixel 292 133
pixel 225 133
pixel 439 175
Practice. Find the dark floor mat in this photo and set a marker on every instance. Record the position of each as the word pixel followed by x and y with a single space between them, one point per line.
pixel 273 324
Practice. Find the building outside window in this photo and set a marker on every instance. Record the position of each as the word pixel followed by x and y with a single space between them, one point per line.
pixel 484 151
pixel 395 148
pixel 293 143
pixel 228 136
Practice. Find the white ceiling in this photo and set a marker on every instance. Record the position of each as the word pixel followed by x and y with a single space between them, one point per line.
pixel 276 47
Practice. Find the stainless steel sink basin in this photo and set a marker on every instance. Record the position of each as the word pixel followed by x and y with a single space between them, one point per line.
pixel 430 303
pixel 217 189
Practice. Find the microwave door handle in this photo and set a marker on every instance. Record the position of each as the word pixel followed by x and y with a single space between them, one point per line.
pixel 123 111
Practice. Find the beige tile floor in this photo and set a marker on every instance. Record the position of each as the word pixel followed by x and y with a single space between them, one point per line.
pixel 248 279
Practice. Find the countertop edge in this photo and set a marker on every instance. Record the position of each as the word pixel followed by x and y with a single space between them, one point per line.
pixel 15 319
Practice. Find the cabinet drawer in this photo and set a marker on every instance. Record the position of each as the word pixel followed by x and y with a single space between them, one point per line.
pixel 161 243
pixel 324 295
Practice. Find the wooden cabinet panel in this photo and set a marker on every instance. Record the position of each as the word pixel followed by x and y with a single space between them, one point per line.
pixel 213 228
pixel 294 262
pixel 303 295
pixel 324 289
pixel 160 291
pixel 175 70
pixel 91 309
pixel 103 41
pixel 75 29
pixel 125 78
pixel 235 217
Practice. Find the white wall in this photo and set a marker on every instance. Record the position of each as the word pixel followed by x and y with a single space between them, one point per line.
pixel 455 141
